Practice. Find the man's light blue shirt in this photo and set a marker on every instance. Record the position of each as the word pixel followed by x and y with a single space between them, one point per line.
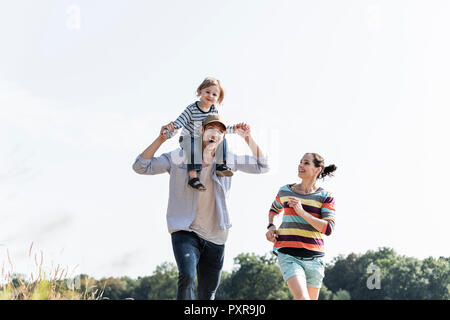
pixel 182 206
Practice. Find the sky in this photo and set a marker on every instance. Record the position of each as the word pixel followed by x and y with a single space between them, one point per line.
pixel 86 85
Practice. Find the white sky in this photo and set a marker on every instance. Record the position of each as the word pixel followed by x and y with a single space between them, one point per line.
pixel 364 83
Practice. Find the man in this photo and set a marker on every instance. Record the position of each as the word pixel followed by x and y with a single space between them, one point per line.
pixel 199 221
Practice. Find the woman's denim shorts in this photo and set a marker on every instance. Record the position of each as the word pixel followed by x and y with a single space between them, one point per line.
pixel 313 270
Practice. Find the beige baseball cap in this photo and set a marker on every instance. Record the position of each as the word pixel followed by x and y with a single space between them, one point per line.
pixel 214 117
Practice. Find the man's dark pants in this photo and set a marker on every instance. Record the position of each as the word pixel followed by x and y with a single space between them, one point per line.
pixel 194 254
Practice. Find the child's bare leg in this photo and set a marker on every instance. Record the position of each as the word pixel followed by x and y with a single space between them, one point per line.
pixel 192 174
pixel 222 170
pixel 193 168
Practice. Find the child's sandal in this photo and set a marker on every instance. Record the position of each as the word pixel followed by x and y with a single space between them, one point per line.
pixel 196 186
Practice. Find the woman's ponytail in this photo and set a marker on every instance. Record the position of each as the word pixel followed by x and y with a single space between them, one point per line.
pixel 319 162
pixel 328 171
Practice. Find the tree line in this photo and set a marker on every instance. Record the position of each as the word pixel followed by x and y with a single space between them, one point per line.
pixel 380 274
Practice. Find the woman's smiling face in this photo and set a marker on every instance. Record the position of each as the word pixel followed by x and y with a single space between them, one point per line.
pixel 306 167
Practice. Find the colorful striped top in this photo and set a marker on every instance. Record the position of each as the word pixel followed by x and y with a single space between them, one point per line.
pixel 296 232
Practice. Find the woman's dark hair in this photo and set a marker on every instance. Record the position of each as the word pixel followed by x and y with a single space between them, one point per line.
pixel 319 162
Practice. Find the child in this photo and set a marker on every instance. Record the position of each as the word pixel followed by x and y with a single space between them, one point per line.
pixel 210 93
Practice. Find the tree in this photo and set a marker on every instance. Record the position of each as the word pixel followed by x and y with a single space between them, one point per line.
pixel 162 285
pixel 438 274
pixel 114 289
pixel 89 287
pixel 259 277
pixel 255 277
pixel 400 277
pixel 325 294
pixel 341 295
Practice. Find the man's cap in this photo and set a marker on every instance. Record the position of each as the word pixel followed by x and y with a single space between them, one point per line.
pixel 214 117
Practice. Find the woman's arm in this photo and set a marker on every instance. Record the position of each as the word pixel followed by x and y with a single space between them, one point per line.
pixel 319 224
pixel 271 233
pixel 275 209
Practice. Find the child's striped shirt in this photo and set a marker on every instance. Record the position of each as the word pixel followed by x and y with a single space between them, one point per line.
pixel 296 232
pixel 191 119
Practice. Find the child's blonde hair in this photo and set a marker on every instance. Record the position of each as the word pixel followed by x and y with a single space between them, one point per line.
pixel 209 82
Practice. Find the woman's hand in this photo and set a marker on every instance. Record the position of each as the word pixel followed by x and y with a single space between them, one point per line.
pixel 317 223
pixel 296 204
pixel 271 234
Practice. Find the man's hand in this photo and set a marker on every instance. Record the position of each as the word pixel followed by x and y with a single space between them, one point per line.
pixel 242 129
pixel 169 127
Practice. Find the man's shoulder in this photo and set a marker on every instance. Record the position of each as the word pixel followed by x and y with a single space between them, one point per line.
pixel 245 158
pixel 175 156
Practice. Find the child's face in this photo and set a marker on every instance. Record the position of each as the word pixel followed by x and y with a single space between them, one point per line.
pixel 209 95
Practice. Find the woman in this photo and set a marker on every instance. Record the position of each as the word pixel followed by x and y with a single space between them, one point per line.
pixel 308 213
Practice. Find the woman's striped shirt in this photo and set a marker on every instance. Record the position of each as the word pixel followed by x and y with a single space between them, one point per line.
pixel 296 232
pixel 191 119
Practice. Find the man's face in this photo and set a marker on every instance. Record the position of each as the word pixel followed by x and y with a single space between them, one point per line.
pixel 213 133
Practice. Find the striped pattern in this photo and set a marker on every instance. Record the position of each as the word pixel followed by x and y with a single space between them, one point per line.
pixel 296 232
pixel 191 120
